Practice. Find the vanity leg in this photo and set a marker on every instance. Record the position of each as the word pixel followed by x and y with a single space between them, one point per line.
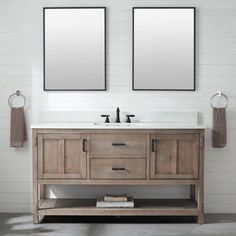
pixel 41 196
pixel 41 191
pixel 35 204
pixel 35 218
pixel 200 192
pixel 200 219
pixel 35 197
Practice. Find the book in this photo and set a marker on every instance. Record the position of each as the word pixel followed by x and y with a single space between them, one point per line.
pixel 115 198
pixel 103 204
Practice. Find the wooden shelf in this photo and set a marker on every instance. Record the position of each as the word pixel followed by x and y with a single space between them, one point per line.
pixel 148 207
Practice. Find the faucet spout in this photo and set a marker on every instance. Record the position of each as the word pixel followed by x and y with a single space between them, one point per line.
pixel 117 115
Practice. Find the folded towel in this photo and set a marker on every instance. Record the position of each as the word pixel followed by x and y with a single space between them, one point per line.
pixel 219 133
pixel 18 128
pixel 115 198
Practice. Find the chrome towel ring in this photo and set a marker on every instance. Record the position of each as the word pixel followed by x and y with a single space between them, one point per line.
pixel 220 94
pixel 14 95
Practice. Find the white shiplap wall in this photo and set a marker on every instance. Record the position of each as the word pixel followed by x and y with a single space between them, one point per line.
pixel 21 68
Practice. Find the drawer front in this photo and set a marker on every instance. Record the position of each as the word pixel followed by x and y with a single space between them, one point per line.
pixel 118 144
pixel 118 168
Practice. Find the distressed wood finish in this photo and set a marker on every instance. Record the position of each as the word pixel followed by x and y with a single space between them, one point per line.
pixel 61 156
pixel 200 193
pixel 118 157
pixel 118 168
pixel 35 198
pixel 150 207
pixel 119 182
pixel 118 144
pixel 174 156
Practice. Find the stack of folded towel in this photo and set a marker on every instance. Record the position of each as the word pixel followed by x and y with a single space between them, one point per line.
pixel 116 201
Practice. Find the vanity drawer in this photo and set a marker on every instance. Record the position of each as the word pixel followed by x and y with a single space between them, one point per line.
pixel 118 168
pixel 118 144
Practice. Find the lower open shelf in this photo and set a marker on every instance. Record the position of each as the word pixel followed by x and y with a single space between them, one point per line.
pixel 143 207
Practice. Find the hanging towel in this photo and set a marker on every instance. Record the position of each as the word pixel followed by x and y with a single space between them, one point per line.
pixel 18 128
pixel 219 127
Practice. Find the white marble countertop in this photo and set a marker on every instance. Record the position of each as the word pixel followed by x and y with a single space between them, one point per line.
pixel 94 125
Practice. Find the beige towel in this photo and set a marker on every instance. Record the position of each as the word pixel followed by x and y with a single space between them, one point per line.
pixel 18 128
pixel 219 133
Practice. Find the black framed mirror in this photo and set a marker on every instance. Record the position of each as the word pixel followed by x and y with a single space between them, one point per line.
pixel 74 48
pixel 164 48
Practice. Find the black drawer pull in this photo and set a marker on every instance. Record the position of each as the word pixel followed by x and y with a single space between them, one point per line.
pixel 118 168
pixel 153 145
pixel 84 145
pixel 154 141
pixel 118 144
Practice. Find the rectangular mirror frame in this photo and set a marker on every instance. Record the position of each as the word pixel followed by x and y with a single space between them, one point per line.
pixel 44 74
pixel 194 50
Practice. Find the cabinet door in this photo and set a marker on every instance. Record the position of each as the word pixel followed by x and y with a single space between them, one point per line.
pixel 62 156
pixel 174 156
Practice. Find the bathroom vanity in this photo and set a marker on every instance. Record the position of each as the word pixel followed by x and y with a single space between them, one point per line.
pixel 93 154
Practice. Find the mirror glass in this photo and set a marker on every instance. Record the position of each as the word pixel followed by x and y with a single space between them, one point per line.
pixel 74 49
pixel 164 48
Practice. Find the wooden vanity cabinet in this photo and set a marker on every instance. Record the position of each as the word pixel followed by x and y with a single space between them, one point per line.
pixel 118 157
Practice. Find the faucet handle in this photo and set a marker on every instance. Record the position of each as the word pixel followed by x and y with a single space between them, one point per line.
pixel 107 118
pixel 128 118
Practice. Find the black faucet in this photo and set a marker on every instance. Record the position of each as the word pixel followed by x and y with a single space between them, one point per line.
pixel 117 115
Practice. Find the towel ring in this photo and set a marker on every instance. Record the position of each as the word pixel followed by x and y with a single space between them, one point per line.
pixel 220 94
pixel 16 94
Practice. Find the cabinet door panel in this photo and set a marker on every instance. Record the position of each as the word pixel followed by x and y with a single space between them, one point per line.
pixel 165 160
pixel 174 156
pixel 50 160
pixel 74 158
pixel 186 157
pixel 61 156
